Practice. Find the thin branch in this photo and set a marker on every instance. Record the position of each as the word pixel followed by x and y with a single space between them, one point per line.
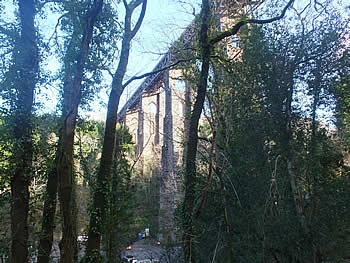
pixel 209 180
pixel 55 30
pixel 215 250
pixel 306 7
pixel 228 178
pixel 107 69
pixel 138 157
pixel 133 4
pixel 317 3
pixel 153 72
pixel 125 4
pixel 139 21
pixel 234 30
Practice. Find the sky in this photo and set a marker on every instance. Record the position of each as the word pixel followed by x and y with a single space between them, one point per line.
pixel 164 21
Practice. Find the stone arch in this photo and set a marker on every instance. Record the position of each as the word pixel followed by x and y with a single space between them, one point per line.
pixel 152 108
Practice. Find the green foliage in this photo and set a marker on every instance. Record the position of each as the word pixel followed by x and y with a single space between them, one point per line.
pixel 43 154
pixel 341 91
pixel 45 136
pixel 5 223
pixel 103 50
pixel 95 257
pixel 44 149
pixel 119 219
pixel 9 34
pixel 5 154
pixel 145 188
pixel 88 147
pixel 250 215
pixel 249 206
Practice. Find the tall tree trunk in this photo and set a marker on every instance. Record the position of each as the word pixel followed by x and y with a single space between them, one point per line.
pixel 71 99
pixel 288 144
pixel 316 90
pixel 190 159
pixel 187 114
pixel 206 45
pixel 108 150
pixel 65 189
pixel 289 82
pixel 26 67
pixel 48 220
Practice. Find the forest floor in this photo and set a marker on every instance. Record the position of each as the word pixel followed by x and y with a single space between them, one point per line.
pixel 149 249
pixel 144 249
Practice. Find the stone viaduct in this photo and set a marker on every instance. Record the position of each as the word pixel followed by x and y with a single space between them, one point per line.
pixel 156 116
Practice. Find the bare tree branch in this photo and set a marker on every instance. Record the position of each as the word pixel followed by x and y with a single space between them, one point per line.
pixel 125 4
pixel 135 3
pixel 234 30
pixel 139 21
pixel 55 30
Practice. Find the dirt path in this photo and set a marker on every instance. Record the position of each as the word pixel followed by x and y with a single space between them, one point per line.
pixel 144 249
pixel 147 251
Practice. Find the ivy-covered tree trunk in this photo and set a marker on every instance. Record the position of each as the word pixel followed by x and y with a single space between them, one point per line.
pixel 108 150
pixel 190 158
pixel 288 135
pixel 48 220
pixel 25 71
pixel 74 70
pixel 341 92
pixel 119 210
pixel 206 44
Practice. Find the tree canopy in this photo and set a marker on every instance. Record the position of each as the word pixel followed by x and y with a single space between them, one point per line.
pixel 265 141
